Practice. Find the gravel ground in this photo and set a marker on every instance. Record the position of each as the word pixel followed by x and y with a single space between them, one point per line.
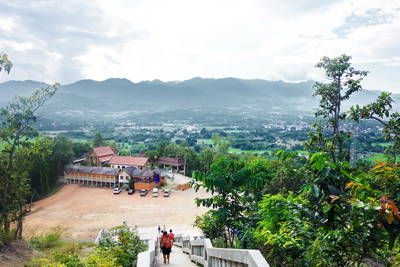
pixel 86 210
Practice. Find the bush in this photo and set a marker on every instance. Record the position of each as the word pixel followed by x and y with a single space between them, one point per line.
pixel 47 240
pixel 6 237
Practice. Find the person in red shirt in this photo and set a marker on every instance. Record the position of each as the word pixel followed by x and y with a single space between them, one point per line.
pixel 166 242
pixel 172 236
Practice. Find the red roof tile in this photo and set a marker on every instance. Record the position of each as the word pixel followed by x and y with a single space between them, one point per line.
pixel 103 151
pixel 105 158
pixel 129 161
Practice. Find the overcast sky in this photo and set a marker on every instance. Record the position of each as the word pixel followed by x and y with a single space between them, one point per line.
pixel 66 41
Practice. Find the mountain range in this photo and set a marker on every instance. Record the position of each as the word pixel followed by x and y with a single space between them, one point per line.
pixel 121 95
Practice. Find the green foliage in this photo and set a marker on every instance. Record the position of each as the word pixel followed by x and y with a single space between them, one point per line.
pixel 5 63
pixel 221 144
pixel 39 262
pixel 98 139
pixel 206 156
pixel 6 237
pixel 47 158
pixel 17 132
pixel 151 154
pixel 342 216
pixel 331 221
pixel 288 173
pixel 213 228
pixel 125 249
pixel 112 252
pixel 235 188
pixel 283 230
pixel 381 111
pixel 345 81
pixel 49 239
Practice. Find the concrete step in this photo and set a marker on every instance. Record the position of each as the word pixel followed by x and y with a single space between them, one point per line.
pixel 176 258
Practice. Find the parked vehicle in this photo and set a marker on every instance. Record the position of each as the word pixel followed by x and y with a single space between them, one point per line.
pixel 143 192
pixel 131 191
pixel 166 193
pixel 155 192
pixel 117 190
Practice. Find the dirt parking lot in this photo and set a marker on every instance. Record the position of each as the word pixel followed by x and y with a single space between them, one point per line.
pixel 86 210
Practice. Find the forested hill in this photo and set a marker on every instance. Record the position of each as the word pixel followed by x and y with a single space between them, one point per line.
pixel 228 93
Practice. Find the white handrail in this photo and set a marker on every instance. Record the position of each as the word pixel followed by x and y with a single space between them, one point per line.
pixel 202 252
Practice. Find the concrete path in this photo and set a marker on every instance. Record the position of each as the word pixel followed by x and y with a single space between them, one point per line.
pixel 177 258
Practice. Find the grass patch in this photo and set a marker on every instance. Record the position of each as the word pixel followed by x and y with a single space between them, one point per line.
pixel 386 144
pixel 55 190
pixel 302 152
pixel 376 158
pixel 240 151
pixel 205 141
pixel 50 243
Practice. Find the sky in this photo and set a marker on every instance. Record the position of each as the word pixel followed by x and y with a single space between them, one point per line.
pixel 170 40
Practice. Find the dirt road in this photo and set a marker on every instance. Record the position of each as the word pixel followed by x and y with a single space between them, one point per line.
pixel 86 210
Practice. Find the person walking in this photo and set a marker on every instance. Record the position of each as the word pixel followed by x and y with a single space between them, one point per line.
pixel 159 228
pixel 171 234
pixel 166 242
pixel 172 237
pixel 160 234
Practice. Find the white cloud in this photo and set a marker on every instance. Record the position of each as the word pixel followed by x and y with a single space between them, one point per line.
pixel 175 40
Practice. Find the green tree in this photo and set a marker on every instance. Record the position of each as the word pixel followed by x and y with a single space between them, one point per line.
pixel 221 144
pixel 151 154
pixel 98 139
pixel 161 148
pixel 345 80
pixel 206 158
pixel 171 150
pixel 5 63
pixel 231 184
pixel 39 173
pixel 334 219
pixel 381 110
pixel 16 132
pixel 125 249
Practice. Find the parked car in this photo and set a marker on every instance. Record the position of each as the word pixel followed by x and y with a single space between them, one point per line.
pixel 131 191
pixel 143 192
pixel 117 190
pixel 166 193
pixel 155 192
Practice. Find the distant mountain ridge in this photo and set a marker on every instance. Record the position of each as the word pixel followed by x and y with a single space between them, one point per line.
pixel 119 95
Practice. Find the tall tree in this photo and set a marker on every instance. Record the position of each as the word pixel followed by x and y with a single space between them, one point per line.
pixel 40 170
pixel 16 132
pixel 98 139
pixel 221 144
pixel 344 81
pixel 206 158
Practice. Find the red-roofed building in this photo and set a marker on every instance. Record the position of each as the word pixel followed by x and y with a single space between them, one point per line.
pixel 122 162
pixel 173 162
pixel 100 155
